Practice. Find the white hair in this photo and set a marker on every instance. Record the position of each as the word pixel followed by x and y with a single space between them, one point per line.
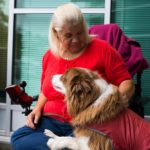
pixel 65 14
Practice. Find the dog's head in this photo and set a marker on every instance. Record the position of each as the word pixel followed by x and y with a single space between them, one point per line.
pixel 80 88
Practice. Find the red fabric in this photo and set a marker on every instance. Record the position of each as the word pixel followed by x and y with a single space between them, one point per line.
pixel 129 49
pixel 128 131
pixel 98 56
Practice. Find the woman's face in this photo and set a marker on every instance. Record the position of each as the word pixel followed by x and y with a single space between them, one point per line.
pixel 72 38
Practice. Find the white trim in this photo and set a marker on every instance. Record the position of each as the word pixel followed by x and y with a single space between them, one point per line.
pixel 16 107
pixel 9 63
pixel 10 43
pixel 93 10
pixel 51 10
pixel 32 10
pixel 107 11
pixel 12 107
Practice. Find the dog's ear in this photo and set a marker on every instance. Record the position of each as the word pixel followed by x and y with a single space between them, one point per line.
pixel 81 87
pixel 70 75
pixel 80 90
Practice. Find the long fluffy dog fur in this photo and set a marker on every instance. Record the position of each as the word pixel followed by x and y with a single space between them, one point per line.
pixel 89 99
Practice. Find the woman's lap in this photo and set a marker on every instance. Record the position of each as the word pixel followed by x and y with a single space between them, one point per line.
pixel 34 139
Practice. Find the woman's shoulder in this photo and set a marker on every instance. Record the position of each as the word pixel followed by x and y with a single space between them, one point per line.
pixel 98 41
pixel 97 45
pixel 47 53
pixel 47 56
pixel 102 45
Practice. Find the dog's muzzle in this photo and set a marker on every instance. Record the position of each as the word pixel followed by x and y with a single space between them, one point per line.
pixel 57 83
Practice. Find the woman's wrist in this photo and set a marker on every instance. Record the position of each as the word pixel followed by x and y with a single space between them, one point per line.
pixel 40 103
pixel 37 108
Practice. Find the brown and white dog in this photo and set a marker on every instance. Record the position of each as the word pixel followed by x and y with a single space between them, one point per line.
pixel 97 112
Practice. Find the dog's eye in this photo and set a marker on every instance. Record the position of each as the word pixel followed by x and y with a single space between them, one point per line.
pixel 63 79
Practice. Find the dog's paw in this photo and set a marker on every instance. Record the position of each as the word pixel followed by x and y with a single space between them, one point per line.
pixel 52 144
pixel 49 133
pixel 63 142
pixel 55 144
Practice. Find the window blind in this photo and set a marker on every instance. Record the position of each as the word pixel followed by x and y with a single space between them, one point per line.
pixel 31 42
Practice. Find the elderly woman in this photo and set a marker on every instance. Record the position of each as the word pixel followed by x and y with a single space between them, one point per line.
pixel 71 46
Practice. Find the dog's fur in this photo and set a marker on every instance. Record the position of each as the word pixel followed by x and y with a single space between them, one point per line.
pixel 89 99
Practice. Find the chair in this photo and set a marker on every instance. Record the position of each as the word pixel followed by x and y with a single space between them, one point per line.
pixel 130 51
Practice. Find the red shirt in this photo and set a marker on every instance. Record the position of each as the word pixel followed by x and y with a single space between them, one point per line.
pixel 128 131
pixel 98 56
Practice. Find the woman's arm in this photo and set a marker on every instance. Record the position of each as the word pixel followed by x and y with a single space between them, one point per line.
pixel 41 102
pixel 34 116
pixel 126 89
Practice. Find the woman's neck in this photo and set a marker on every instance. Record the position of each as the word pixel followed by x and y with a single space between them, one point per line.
pixel 69 55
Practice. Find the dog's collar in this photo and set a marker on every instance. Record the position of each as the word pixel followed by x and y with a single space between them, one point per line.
pixel 90 128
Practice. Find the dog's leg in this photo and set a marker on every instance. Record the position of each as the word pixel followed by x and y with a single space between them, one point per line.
pixel 58 143
pixel 49 133
pixel 86 116
pixel 111 91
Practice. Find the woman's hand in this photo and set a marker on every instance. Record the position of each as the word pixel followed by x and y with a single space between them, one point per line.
pixel 33 118
pixel 126 89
